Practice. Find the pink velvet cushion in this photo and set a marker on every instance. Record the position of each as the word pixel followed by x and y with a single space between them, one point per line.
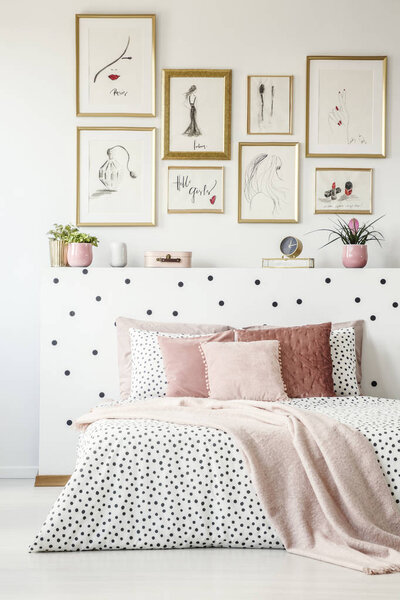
pixel 244 370
pixel 184 364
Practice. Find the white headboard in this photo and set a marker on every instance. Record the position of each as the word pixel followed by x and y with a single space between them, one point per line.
pixel 79 307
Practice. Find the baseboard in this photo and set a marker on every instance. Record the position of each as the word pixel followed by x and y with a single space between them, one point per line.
pixel 51 480
pixel 18 472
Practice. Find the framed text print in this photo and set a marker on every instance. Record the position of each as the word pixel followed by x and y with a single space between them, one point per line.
pixel 346 106
pixel 115 176
pixel 268 182
pixel 195 189
pixel 197 114
pixel 343 191
pixel 115 65
pixel 269 104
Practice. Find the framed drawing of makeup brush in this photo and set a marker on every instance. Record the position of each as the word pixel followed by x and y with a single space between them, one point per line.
pixel 115 65
pixel 269 104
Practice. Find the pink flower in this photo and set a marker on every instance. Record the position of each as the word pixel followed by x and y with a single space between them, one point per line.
pixel 354 225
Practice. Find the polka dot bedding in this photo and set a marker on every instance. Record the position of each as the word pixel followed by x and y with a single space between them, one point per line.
pixel 153 485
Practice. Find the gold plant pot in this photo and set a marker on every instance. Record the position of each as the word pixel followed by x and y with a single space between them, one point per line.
pixel 58 253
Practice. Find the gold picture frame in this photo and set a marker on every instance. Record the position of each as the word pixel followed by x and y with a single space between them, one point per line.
pixel 290 119
pixel 340 211
pixel 197 154
pixel 79 112
pixel 295 218
pixel 83 223
pixel 201 210
pixel 381 97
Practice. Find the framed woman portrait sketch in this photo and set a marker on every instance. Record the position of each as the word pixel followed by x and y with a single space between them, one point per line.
pixel 269 104
pixel 343 191
pixel 346 106
pixel 115 65
pixel 115 176
pixel 268 182
pixel 197 114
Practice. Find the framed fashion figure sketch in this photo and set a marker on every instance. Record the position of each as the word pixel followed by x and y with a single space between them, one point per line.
pixel 269 104
pixel 197 114
pixel 115 65
pixel 346 106
pixel 268 182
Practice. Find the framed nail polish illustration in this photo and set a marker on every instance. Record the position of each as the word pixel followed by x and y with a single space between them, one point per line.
pixel 343 191
pixel 195 189
pixel 115 65
pixel 197 114
pixel 269 104
pixel 115 176
pixel 346 106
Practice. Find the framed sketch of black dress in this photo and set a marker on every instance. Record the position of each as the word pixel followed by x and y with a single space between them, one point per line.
pixel 197 114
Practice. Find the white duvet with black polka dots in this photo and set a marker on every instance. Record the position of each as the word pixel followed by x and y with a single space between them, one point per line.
pixel 151 484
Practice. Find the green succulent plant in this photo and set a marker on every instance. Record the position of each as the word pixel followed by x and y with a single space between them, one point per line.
pixel 352 232
pixel 70 234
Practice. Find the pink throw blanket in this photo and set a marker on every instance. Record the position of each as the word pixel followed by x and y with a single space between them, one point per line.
pixel 317 479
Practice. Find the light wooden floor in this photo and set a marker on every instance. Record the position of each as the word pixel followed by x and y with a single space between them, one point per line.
pixel 211 574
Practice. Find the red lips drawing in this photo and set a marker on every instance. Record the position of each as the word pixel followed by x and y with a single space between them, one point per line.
pixel 213 199
pixel 113 77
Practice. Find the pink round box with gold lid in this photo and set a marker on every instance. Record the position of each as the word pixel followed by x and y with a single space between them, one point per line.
pixel 162 259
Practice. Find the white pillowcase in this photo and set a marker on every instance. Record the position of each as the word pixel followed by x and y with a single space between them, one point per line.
pixel 344 362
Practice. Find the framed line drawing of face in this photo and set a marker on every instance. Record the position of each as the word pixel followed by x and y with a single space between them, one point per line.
pixel 269 104
pixel 197 114
pixel 346 106
pixel 343 191
pixel 268 182
pixel 196 190
pixel 115 176
pixel 115 65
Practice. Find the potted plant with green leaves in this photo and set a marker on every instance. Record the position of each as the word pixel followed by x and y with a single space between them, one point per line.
pixel 58 243
pixel 80 248
pixel 354 238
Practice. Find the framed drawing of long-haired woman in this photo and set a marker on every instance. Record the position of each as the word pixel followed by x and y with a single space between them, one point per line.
pixel 197 114
pixel 115 65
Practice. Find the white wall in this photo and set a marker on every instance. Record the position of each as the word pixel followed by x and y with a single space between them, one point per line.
pixel 37 150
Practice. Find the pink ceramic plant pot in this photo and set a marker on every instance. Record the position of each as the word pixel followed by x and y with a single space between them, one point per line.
pixel 79 255
pixel 355 256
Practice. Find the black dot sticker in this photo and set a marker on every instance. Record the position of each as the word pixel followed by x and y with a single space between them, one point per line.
pixel 357 299
pixel 210 278
pixel 67 373
pixel 374 383
pixel 115 323
pixel 180 283
pixel 299 301
pixel 149 312
pixel 127 281
pixel 56 280
pixel 71 313
pixel 373 318
pixel 94 352
pixel 85 271
pixel 274 304
pixel 101 395
pixel 257 282
pixel 54 342
pixel 98 298
pixel 175 313
pixel 383 281
pixel 328 280
pixel 395 304
pixel 221 303
pixel 69 422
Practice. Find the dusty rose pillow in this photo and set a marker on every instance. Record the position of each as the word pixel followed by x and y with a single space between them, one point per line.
pixel 184 364
pixel 306 357
pixel 247 371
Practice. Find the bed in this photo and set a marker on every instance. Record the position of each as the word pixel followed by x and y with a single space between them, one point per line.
pixel 144 484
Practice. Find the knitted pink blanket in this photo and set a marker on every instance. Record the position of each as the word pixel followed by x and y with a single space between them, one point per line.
pixel 318 480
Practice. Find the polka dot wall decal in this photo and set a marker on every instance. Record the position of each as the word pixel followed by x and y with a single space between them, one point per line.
pixel 180 283
pixel 67 373
pixel 383 281
pixel 127 281
pixel 395 304
pixel 328 280
pixel 95 352
pixel 299 301
pixel 85 271
pixel 71 313
pixel 175 313
pixel 56 280
pixel 373 318
pixel 210 278
pixel 98 298
pixel 54 342
pixel 101 395
pixel 374 383
pixel 357 299
pixel 149 312
pixel 221 303
pixel 69 422
pixel 274 304
pixel 257 282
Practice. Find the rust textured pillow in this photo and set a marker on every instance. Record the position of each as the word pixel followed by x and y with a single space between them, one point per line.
pixel 306 357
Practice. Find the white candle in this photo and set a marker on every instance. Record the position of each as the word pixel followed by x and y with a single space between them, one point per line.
pixel 118 254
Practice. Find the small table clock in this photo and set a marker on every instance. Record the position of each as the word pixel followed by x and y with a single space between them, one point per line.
pixel 291 247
